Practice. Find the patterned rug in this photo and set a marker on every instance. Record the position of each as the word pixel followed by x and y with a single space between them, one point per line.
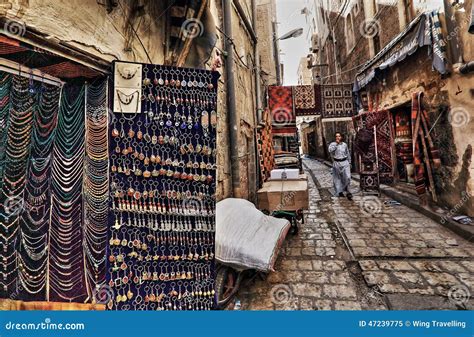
pixel 423 143
pixel 280 102
pixel 337 100
pixel 265 147
pixel 307 99
pixel 382 120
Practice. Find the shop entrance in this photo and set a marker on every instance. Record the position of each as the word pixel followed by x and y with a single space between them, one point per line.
pixel 403 144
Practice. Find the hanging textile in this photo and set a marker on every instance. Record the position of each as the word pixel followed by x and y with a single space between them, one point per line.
pixel 163 173
pixel 337 100
pixel 280 103
pixel 382 121
pixel 265 147
pixel 423 31
pixel 307 99
pixel 425 153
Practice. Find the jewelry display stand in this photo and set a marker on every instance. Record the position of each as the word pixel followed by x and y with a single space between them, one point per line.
pixel 163 178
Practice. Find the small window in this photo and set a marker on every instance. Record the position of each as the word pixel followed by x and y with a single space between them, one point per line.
pixel 350 37
pixel 356 7
pixel 376 43
pixel 376 6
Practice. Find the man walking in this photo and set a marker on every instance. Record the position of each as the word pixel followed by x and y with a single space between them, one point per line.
pixel 341 167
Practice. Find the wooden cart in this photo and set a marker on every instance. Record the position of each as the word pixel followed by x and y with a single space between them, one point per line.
pixel 285 199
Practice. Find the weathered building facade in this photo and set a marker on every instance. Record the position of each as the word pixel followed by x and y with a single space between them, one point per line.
pixel 142 31
pixel 243 100
pixel 357 38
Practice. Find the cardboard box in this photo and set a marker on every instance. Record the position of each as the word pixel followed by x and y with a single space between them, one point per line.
pixel 284 195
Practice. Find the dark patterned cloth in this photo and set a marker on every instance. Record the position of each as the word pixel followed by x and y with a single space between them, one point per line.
pixel 265 147
pixel 307 99
pixel 422 142
pixel 383 152
pixel 280 102
pixel 337 100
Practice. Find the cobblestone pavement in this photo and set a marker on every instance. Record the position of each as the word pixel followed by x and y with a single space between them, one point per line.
pixel 364 254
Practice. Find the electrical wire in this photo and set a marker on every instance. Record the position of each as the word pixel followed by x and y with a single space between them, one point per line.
pixel 136 34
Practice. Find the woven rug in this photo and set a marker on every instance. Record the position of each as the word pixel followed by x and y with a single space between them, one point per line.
pixel 382 120
pixel 421 139
pixel 307 99
pixel 265 147
pixel 337 100
pixel 280 102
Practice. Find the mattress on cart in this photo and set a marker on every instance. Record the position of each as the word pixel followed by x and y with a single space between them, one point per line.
pixel 245 237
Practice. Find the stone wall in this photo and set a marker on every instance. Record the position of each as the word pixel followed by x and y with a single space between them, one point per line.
pixel 86 25
pixel 450 103
pixel 266 15
pixel 244 74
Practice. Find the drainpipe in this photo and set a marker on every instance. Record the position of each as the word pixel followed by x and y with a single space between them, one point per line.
pixel 258 93
pixel 256 56
pixel 276 52
pixel 232 119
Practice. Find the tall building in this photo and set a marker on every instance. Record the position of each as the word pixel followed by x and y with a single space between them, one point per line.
pixel 304 72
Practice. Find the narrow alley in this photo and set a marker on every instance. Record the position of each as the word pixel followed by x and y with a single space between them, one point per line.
pixel 364 254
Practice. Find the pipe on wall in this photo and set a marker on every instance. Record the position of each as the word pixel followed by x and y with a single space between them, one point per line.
pixel 258 90
pixel 245 20
pixel 232 118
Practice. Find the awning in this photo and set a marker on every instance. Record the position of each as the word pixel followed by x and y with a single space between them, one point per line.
pixel 44 61
pixel 424 30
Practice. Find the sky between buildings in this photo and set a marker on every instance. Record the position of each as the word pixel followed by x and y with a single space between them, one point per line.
pixel 292 50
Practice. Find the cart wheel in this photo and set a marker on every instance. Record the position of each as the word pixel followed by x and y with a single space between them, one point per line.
pixel 294 226
pixel 225 286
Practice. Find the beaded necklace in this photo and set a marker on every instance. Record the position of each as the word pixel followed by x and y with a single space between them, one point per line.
pixel 96 186
pixel 34 223
pixel 66 253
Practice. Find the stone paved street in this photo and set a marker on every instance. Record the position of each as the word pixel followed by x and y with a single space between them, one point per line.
pixel 364 254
